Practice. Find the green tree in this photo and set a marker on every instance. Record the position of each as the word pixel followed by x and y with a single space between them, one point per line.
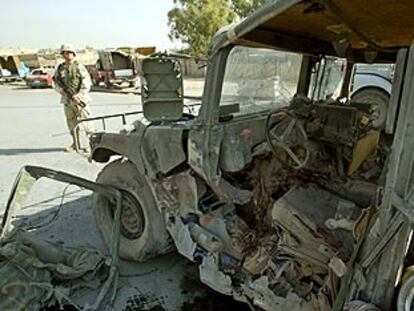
pixel 243 8
pixel 194 22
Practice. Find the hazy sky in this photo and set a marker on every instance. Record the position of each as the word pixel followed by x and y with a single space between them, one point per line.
pixel 97 23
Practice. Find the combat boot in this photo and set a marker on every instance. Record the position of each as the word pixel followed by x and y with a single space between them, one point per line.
pixel 70 148
pixel 75 137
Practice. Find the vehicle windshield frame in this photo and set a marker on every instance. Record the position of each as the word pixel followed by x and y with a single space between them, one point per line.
pixel 214 80
pixel 261 54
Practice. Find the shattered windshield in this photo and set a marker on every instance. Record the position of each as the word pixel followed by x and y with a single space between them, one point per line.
pixel 259 79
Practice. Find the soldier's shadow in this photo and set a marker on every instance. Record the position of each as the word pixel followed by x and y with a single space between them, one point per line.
pixel 16 151
pixel 25 87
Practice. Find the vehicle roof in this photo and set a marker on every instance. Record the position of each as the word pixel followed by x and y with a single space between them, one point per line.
pixel 361 30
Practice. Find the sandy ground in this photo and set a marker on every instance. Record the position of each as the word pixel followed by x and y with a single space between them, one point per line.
pixel 33 131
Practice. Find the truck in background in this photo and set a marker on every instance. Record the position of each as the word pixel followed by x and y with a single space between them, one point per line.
pixel 372 83
pixel 118 68
pixel 12 69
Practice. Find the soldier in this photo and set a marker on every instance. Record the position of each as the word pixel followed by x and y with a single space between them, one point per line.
pixel 73 82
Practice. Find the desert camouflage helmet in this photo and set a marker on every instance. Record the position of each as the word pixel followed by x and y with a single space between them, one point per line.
pixel 67 48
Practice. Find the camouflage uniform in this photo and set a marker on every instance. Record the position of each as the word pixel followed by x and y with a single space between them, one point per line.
pixel 76 77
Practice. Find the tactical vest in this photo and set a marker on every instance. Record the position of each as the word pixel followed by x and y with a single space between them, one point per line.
pixel 71 76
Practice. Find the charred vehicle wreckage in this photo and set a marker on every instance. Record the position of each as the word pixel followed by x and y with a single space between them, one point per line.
pixel 286 194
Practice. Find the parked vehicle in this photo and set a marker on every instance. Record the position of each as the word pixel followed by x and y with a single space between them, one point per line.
pixel 262 185
pixel 40 78
pixel 372 83
pixel 12 69
pixel 4 73
pixel 114 69
pixel 285 198
pixel 118 68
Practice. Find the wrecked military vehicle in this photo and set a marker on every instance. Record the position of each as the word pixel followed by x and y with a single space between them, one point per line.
pixel 283 191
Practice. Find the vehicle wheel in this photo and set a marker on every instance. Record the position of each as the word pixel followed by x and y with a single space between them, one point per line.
pixel 143 232
pixel 405 299
pixel 379 98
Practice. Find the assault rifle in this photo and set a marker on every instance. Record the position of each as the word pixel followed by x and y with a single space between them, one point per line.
pixel 68 91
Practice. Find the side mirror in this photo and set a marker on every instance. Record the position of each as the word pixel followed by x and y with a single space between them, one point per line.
pixel 162 88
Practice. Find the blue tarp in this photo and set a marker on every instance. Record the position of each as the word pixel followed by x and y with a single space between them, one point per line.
pixel 23 70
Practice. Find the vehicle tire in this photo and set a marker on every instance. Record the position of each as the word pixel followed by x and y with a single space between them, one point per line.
pixel 143 232
pixel 405 301
pixel 108 84
pixel 377 97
